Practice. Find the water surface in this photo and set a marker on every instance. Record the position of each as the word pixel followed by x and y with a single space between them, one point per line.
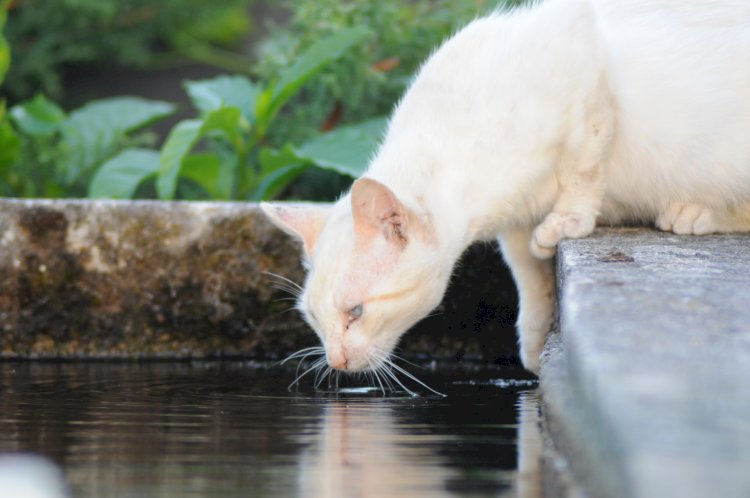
pixel 233 429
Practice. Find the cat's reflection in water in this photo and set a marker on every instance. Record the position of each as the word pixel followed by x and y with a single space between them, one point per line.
pixel 361 451
pixel 530 447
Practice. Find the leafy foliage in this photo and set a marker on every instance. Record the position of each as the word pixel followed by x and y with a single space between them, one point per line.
pixel 368 79
pixel 99 150
pixel 47 36
pixel 59 152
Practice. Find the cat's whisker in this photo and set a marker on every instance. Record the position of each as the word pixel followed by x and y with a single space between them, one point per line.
pixel 301 352
pixel 290 290
pixel 375 371
pixel 283 280
pixel 316 366
pixel 412 377
pixel 304 357
pixel 294 299
pixel 401 358
pixel 392 375
pixel 323 376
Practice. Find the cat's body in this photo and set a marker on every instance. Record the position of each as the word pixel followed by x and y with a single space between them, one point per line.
pixel 530 127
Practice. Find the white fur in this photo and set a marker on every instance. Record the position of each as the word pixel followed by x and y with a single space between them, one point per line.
pixel 531 127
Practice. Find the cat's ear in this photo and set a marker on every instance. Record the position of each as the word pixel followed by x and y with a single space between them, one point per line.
pixel 377 211
pixel 304 222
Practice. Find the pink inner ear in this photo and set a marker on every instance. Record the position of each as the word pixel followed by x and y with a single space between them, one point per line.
pixel 303 222
pixel 377 211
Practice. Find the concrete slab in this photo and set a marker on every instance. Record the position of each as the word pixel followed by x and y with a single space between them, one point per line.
pixel 150 279
pixel 647 383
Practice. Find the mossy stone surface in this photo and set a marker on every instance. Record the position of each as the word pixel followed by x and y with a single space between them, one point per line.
pixel 148 279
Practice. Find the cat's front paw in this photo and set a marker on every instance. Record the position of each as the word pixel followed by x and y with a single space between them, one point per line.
pixel 558 226
pixel 688 219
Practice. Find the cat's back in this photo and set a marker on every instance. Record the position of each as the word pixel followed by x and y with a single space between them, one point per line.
pixel 679 71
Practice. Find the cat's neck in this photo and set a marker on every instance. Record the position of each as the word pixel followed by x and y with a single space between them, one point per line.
pixel 463 208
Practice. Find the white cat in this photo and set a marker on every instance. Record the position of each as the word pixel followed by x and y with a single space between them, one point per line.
pixel 530 127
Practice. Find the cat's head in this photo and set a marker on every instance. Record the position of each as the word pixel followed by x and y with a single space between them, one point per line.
pixel 373 271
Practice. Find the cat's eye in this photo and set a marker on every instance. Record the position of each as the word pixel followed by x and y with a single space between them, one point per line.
pixel 355 312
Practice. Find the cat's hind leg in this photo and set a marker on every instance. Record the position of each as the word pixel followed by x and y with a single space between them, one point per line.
pixel 686 218
pixel 535 281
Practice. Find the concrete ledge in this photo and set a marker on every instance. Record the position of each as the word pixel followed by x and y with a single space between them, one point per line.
pixel 147 279
pixel 646 386
pixel 111 279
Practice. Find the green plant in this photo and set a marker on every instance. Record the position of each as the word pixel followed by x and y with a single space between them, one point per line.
pixel 10 144
pixel 49 36
pixel 235 116
pixel 59 152
pixel 367 80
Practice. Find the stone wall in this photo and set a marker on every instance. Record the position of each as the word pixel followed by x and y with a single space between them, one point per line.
pixel 176 279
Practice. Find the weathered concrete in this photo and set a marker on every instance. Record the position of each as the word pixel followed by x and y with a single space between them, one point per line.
pixel 646 386
pixel 108 278
pixel 176 279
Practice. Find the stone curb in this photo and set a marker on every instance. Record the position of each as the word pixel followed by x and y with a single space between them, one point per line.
pixel 647 386
pixel 151 279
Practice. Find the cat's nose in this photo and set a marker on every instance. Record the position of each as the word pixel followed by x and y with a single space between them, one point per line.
pixel 337 359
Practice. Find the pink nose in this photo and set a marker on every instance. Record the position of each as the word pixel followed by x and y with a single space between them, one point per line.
pixel 337 359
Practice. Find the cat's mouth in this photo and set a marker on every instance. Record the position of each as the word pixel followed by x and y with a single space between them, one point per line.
pixel 383 373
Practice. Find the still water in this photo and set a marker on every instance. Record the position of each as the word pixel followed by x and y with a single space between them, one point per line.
pixel 233 429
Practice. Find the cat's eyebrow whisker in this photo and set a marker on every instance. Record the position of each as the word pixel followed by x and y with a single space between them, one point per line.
pixel 294 299
pixel 285 288
pixel 284 279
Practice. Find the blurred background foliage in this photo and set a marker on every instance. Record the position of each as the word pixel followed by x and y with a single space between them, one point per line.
pixel 294 108
pixel 51 36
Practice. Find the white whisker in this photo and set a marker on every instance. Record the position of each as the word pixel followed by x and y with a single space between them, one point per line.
pixel 390 374
pixel 316 366
pixel 283 279
pixel 412 377
pixel 322 376
pixel 301 352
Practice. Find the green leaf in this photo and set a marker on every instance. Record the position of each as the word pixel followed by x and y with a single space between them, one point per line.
pixel 224 91
pixel 224 122
pixel 272 159
pixel 119 177
pixel 180 141
pixel 310 62
pixel 38 116
pixel 274 182
pixel 92 133
pixel 184 136
pixel 4 47
pixel 346 149
pixel 205 170
pixel 10 146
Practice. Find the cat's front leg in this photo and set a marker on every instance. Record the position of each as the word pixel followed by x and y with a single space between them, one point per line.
pixel 535 281
pixel 580 180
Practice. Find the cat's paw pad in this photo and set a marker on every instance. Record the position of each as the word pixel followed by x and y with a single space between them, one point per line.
pixel 687 219
pixel 558 226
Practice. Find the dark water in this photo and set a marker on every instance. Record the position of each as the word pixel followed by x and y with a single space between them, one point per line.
pixel 233 429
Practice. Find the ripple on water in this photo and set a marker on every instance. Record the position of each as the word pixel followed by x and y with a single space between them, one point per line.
pixel 233 429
